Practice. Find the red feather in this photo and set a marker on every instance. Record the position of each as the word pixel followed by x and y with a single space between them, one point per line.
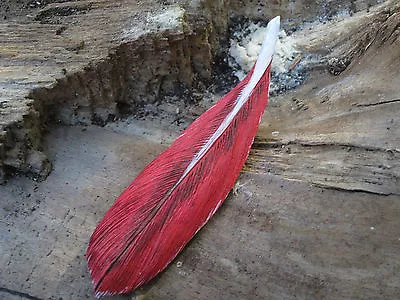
pixel 176 194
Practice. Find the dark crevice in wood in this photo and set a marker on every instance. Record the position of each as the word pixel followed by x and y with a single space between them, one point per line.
pixel 19 294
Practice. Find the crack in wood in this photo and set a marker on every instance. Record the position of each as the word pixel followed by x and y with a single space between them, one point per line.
pixel 378 103
pixel 271 143
pixel 337 188
pixel 17 293
pixel 336 166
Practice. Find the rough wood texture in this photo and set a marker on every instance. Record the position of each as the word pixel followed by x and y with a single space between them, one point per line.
pixel 278 236
pixel 93 61
pixel 343 134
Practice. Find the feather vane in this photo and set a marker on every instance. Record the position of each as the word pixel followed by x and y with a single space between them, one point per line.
pixel 177 193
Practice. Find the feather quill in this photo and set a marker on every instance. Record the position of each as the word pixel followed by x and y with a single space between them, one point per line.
pixel 176 194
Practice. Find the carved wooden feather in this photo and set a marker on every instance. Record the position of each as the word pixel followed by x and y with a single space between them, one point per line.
pixel 176 194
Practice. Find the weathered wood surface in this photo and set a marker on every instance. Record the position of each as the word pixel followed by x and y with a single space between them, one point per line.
pixel 92 61
pixel 314 214
pixel 343 132
pixel 36 54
